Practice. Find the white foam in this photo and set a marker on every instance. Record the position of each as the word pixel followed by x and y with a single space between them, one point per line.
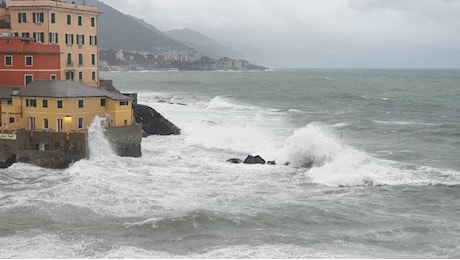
pixel 99 146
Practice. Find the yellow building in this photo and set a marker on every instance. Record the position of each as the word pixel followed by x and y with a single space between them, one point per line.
pixel 73 27
pixel 64 106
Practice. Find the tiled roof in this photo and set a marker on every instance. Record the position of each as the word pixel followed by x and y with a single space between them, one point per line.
pixel 66 89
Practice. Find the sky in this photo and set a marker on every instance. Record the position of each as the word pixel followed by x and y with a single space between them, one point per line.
pixel 318 33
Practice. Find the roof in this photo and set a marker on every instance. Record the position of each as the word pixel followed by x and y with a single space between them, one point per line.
pixel 6 92
pixel 66 89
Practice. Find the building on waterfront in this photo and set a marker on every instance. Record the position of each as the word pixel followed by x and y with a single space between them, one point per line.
pixel 64 106
pixel 72 27
pixel 22 61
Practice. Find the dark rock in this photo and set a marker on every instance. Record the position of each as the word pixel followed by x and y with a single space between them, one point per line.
pixel 153 123
pixel 271 163
pixel 307 164
pixel 254 160
pixel 7 160
pixel 234 160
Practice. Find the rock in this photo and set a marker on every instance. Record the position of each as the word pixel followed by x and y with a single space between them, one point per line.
pixel 7 160
pixel 234 160
pixel 271 163
pixel 254 160
pixel 153 123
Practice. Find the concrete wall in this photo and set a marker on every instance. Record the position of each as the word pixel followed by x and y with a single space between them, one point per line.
pixel 126 140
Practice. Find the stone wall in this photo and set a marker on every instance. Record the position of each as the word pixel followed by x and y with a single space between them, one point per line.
pixel 126 141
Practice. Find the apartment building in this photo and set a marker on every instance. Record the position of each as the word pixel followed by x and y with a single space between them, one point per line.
pixel 73 27
pixel 22 61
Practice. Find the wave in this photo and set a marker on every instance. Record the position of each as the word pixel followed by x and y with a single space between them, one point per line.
pixel 336 164
pixel 396 122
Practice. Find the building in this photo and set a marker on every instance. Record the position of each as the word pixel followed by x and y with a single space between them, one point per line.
pixel 46 122
pixel 64 106
pixel 71 26
pixel 22 61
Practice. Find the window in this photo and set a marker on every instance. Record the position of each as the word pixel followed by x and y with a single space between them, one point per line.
pixel 9 102
pixel 93 21
pixel 93 75
pixel 59 104
pixel 69 75
pixel 80 123
pixel 124 103
pixel 69 59
pixel 53 77
pixel 45 123
pixel 53 18
pixel 44 103
pixel 32 123
pixel 25 35
pixel 31 103
pixel 8 60
pixel 39 37
pixel 92 40
pixel 60 125
pixel 53 38
pixel 22 17
pixel 80 59
pixel 80 103
pixel 80 20
pixel 69 19
pixel 68 38
pixel 93 59
pixel 11 120
pixel 38 18
pixel 102 102
pixel 80 75
pixel 28 79
pixel 29 61
pixel 80 39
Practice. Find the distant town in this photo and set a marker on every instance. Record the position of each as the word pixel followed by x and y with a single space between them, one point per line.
pixel 120 60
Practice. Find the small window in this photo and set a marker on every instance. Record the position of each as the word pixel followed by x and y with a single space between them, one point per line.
pixel 45 123
pixel 124 103
pixel 9 102
pixel 11 120
pixel 39 37
pixel 80 59
pixel 59 104
pixel 45 103
pixel 102 102
pixel 93 59
pixel 53 77
pixel 38 18
pixel 22 17
pixel 29 61
pixel 28 79
pixel 92 40
pixel 53 38
pixel 53 18
pixel 93 21
pixel 69 19
pixel 80 39
pixel 80 20
pixel 93 76
pixel 80 123
pixel 80 103
pixel 68 38
pixel 69 59
pixel 80 75
pixel 8 60
pixel 69 75
pixel 31 103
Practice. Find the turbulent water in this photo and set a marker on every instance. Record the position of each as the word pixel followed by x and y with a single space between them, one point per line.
pixel 385 181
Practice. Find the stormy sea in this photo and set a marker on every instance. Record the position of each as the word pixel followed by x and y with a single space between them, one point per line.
pixel 384 181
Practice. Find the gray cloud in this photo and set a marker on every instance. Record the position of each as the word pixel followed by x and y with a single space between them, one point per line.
pixel 333 33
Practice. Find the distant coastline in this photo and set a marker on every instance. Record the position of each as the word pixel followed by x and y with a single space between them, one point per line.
pixel 122 60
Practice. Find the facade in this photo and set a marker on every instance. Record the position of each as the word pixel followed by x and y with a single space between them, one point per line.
pixel 71 26
pixel 64 106
pixel 22 61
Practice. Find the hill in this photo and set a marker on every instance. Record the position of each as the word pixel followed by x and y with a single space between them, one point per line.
pixel 120 31
pixel 202 43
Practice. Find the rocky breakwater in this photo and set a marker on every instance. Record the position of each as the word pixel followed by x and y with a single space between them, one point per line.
pixel 153 123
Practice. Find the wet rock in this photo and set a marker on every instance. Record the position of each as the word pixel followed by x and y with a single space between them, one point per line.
pixel 6 160
pixel 235 160
pixel 254 160
pixel 153 123
pixel 271 163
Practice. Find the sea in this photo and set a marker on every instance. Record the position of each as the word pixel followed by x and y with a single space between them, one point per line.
pixel 383 146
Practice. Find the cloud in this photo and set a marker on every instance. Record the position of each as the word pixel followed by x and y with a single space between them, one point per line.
pixel 318 32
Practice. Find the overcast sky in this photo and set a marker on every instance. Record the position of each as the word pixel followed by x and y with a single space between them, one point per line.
pixel 318 33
